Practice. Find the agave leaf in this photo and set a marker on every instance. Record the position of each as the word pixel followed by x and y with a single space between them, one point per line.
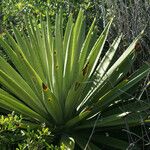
pixel 78 86
pixel 47 56
pixel 66 47
pixel 35 38
pixel 102 67
pixel 58 56
pixel 29 52
pixel 10 78
pixel 122 107
pixel 28 70
pixel 16 61
pixel 127 52
pixel 111 82
pixel 111 76
pixel 86 45
pixel 49 44
pixel 77 41
pixel 21 42
pixel 76 38
pixel 122 87
pixel 96 51
pixel 111 142
pixel 37 82
pixel 42 49
pixel 77 119
pixel 116 120
pixel 14 87
pixel 38 40
pixel 52 104
pixel 11 103
pixel 104 64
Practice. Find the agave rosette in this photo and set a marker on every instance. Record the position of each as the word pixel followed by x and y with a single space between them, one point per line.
pixel 57 78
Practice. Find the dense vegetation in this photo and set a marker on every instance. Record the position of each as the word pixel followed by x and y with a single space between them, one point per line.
pixel 97 90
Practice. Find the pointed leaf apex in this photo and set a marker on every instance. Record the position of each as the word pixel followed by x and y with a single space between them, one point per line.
pixel 111 19
pixel 142 32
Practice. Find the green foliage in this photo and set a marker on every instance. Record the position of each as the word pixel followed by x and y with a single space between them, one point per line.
pixel 10 123
pixel 14 10
pixel 58 80
pixel 9 128
pixel 14 133
pixel 34 139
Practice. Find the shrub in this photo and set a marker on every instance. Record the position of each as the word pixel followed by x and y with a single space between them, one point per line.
pixel 14 133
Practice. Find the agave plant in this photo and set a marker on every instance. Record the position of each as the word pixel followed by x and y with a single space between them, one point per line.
pixel 65 80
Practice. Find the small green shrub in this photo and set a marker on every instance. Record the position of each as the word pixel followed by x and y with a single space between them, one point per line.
pixel 17 135
pixel 9 128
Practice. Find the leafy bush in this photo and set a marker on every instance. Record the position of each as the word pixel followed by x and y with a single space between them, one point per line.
pixel 14 10
pixel 14 133
pixel 57 79
pixel 9 128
